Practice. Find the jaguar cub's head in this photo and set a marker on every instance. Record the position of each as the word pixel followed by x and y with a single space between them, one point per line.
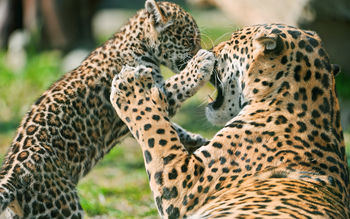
pixel 273 64
pixel 174 35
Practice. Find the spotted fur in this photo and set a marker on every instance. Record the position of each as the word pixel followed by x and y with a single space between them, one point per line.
pixel 281 152
pixel 73 125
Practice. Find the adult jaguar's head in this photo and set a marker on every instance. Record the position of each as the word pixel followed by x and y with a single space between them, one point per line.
pixel 173 34
pixel 269 63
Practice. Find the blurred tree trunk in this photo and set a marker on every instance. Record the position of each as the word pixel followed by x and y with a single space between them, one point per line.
pixel 10 19
pixel 60 24
pixel 67 24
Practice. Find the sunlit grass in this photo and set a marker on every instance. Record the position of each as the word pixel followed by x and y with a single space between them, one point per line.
pixel 118 187
pixel 116 201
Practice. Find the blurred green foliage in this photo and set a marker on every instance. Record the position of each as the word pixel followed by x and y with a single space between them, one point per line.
pixel 343 85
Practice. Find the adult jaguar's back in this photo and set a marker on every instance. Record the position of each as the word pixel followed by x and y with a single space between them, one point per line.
pixel 72 125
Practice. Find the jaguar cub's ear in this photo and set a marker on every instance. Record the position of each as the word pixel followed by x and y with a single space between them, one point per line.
pixel 160 21
pixel 270 42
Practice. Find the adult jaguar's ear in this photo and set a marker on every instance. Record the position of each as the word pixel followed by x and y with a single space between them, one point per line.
pixel 271 43
pixel 160 21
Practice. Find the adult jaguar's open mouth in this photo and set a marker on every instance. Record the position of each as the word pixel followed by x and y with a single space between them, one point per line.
pixel 215 80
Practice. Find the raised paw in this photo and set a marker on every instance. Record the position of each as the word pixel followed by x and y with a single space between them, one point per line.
pixel 205 61
pixel 185 84
pixel 129 84
pixel 133 91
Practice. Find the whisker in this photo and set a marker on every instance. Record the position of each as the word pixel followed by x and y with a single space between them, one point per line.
pixel 205 125
pixel 219 39
pixel 202 103
pixel 212 93
pixel 217 79
pixel 209 39
pixel 203 28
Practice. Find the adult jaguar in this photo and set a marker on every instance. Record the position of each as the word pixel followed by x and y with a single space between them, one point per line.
pixel 281 152
pixel 73 125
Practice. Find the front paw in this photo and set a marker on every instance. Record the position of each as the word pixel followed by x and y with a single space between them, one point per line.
pixel 204 61
pixel 184 85
pixel 130 87
pixel 193 141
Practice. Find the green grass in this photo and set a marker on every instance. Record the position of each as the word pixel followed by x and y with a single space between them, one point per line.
pixel 118 186
pixel 18 90
pixel 117 201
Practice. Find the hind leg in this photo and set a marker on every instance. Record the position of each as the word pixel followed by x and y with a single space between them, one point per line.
pixel 50 198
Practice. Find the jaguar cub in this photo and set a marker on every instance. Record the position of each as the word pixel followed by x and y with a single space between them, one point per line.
pixel 73 125
pixel 281 152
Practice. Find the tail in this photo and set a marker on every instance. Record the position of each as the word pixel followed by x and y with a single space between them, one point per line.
pixel 8 200
pixel 8 192
pixel 7 196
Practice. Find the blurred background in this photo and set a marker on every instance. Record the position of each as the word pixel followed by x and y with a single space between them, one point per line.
pixel 42 39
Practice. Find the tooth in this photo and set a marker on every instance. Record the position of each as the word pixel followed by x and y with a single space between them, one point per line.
pixel 210 99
